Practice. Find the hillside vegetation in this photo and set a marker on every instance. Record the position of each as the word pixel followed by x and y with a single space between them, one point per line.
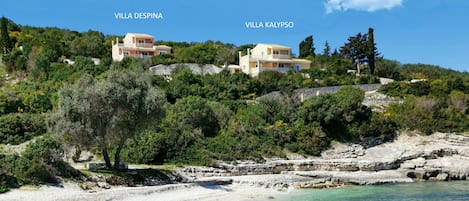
pixel 121 113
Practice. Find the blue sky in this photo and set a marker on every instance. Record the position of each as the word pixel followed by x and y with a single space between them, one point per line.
pixel 409 31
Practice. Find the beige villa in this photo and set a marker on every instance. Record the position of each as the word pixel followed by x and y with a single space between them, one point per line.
pixel 270 57
pixel 137 45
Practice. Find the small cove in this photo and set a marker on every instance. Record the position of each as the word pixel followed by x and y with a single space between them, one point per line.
pixel 419 191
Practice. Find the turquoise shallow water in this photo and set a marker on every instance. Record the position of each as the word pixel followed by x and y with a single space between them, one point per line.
pixel 420 191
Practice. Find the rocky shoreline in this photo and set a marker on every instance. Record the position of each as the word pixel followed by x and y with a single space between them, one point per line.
pixel 411 157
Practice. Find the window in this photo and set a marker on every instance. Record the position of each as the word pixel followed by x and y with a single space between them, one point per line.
pixel 298 67
pixel 281 65
pixel 276 52
pixel 126 53
pixel 162 52
pixel 141 41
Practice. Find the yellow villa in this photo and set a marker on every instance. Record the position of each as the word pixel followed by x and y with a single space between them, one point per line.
pixel 270 57
pixel 137 45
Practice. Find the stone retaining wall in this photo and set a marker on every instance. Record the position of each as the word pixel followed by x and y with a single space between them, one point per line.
pixel 303 94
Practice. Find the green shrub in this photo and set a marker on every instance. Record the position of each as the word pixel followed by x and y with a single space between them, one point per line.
pixel 17 128
pixel 6 181
pixel 395 89
pixel 146 148
pixel 38 172
pixel 379 126
pixel 402 89
pixel 3 189
pixel 312 139
pixel 417 113
pixel 41 162
pixel 229 146
pixel 10 102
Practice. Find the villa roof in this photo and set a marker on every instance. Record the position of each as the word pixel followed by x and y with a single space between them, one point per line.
pixel 293 60
pixel 140 35
pixel 275 46
pixel 301 60
pixel 163 46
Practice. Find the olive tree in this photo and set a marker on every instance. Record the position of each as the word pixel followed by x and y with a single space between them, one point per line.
pixel 104 113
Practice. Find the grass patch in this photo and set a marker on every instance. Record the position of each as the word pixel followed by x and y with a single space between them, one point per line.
pixel 3 189
pixel 3 149
pixel 86 173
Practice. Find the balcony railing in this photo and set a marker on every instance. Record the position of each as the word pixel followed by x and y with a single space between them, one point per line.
pixel 280 69
pixel 145 45
pixel 138 56
pixel 281 56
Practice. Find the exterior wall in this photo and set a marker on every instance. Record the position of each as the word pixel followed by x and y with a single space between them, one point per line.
pixel 305 65
pixel 161 50
pixel 117 53
pixel 244 64
pixel 265 57
pixel 264 51
pixel 259 51
pixel 266 64
pixel 137 45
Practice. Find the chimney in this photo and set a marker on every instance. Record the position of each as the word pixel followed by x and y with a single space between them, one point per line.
pixel 249 52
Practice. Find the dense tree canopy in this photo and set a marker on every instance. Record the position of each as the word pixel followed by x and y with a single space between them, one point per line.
pixel 361 49
pixel 105 113
pixel 355 49
pixel 5 42
pixel 307 47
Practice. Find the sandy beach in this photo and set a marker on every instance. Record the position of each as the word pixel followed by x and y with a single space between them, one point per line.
pixel 176 192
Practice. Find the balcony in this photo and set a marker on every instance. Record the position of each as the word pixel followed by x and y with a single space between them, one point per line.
pixel 148 45
pixel 279 69
pixel 136 45
pixel 138 56
pixel 281 56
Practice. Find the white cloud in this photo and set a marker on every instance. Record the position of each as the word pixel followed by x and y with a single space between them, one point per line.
pixel 363 5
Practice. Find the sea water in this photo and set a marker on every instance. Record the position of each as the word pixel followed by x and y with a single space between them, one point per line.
pixel 419 191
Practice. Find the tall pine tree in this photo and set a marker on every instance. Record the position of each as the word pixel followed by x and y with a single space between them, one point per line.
pixel 307 47
pixel 5 43
pixel 355 49
pixel 327 49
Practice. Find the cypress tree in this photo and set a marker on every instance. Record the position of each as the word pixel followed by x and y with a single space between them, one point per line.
pixel 5 43
pixel 371 51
